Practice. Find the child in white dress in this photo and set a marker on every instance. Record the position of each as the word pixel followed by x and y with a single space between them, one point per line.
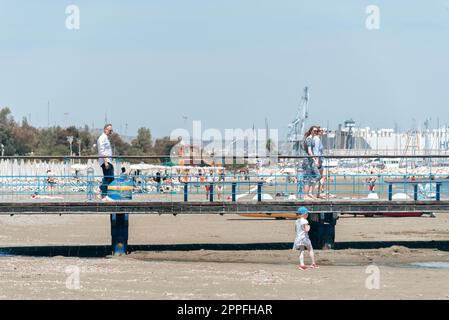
pixel 302 240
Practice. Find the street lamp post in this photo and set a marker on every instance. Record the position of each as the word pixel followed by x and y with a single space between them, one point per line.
pixel 79 148
pixel 70 140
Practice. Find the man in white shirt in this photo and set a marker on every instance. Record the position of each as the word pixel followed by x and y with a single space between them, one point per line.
pixel 105 160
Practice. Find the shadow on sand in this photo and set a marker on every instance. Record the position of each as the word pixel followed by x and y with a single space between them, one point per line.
pixel 103 251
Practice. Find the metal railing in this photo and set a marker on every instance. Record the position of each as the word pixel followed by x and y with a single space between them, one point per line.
pixel 342 178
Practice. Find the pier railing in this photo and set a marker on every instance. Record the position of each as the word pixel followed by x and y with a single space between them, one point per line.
pixel 258 179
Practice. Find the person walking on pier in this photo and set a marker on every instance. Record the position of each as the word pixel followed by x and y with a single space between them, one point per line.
pixel 105 160
pixel 219 182
pixel 371 181
pixel 310 164
pixel 302 240
pixel 318 151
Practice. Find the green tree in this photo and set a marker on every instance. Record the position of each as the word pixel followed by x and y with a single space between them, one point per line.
pixel 5 117
pixel 163 147
pixel 26 138
pixel 143 140
pixel 87 141
pixel 6 132
pixel 119 146
pixel 47 140
pixel 7 139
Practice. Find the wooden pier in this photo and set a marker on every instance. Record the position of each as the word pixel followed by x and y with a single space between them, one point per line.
pixel 323 214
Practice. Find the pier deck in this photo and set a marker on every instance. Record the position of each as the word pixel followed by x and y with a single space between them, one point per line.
pixel 206 207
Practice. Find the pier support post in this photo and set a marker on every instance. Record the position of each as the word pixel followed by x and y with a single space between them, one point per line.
pixel 322 229
pixel 415 192
pixel 390 192
pixel 438 192
pixel 186 191
pixel 119 233
pixel 233 192
pixel 211 192
pixel 259 191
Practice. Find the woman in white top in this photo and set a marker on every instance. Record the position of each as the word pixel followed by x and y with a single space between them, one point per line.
pixel 219 182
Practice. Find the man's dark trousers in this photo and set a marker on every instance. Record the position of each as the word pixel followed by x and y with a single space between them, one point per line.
pixel 108 177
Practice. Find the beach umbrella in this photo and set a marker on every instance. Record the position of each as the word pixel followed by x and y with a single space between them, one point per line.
pixel 141 166
pixel 265 196
pixel 78 166
pixel 400 196
pixel 136 167
pixel 373 196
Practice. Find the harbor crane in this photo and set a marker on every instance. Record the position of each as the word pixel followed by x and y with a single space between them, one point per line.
pixel 297 126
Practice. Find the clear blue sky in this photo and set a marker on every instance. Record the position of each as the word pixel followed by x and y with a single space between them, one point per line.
pixel 229 63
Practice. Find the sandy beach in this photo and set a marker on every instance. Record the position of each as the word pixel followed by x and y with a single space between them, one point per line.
pixel 222 257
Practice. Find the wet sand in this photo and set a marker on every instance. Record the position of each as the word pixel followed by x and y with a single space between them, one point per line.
pixel 223 257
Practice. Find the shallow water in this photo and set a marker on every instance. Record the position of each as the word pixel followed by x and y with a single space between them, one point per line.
pixel 434 265
pixel 4 254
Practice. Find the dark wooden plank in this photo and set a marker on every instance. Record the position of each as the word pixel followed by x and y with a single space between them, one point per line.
pixel 218 207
